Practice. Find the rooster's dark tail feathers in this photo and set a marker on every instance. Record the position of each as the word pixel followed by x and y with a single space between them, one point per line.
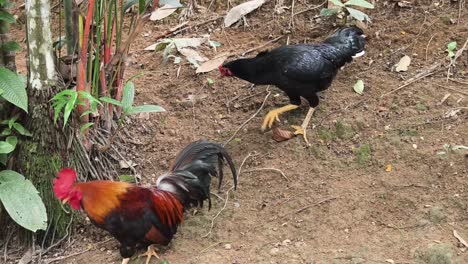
pixel 189 175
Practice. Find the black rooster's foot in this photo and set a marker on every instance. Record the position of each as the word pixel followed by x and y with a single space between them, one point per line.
pixel 125 260
pixel 301 131
pixel 270 118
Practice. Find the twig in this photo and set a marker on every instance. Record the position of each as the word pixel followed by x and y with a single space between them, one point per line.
pixel 217 196
pixel 251 154
pixel 311 8
pixel 60 241
pixel 450 88
pixel 248 120
pixel 263 45
pixel 315 204
pixel 68 256
pixel 457 81
pixel 5 249
pixel 431 70
pixel 291 22
pixel 271 169
pixel 213 245
pixel 427 46
pixel 463 241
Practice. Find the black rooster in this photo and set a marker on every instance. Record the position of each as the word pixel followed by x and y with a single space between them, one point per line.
pixel 299 70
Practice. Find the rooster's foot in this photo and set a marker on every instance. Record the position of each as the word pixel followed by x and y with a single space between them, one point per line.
pixel 273 115
pixel 150 253
pixel 301 131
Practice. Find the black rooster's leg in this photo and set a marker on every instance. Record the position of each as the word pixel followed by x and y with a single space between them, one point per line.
pixel 125 260
pixel 301 130
pixel 273 115
pixel 150 253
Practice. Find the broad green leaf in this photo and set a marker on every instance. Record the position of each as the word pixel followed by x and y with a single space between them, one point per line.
pixel 360 3
pixel 7 17
pixel 328 12
pixel 69 108
pixel 6 147
pixel 452 46
pixel 10 46
pixel 5 132
pixel 9 175
pixel 1 91
pixel 22 130
pixel 12 140
pixel 358 14
pixel 146 109
pixel 85 126
pixel 141 6
pixel 14 89
pixel 88 96
pixel 359 87
pixel 23 203
pixel 58 108
pixel 110 101
pixel 128 96
pixel 337 3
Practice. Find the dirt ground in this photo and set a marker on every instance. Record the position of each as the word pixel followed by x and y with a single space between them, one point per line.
pixel 377 185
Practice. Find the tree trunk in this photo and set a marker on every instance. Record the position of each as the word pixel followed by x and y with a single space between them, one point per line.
pixel 40 157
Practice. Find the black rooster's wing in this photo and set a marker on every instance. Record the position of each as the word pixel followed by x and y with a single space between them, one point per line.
pixel 308 66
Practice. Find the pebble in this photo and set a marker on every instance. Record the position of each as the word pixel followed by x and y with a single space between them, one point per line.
pixel 286 242
pixel 227 246
pixel 274 251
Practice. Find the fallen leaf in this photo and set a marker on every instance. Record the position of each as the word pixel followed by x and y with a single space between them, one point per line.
pixel 124 164
pixel 359 87
pixel 389 168
pixel 403 64
pixel 189 42
pixel 162 12
pixel 27 257
pixel 280 135
pixel 241 10
pixel 191 54
pixel 463 241
pixel 211 64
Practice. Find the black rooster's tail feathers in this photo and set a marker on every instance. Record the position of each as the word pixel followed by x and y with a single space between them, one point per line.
pixel 191 171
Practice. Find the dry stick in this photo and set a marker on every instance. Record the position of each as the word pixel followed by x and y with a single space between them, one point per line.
pixel 213 245
pixel 311 8
pixel 427 47
pixel 315 204
pixel 251 154
pixel 428 72
pixel 291 22
pixel 270 169
pixel 457 81
pixel 450 88
pixel 263 45
pixel 248 120
pixel 60 241
pixel 68 256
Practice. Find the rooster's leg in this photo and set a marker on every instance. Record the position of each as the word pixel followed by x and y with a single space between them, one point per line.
pixel 274 115
pixel 301 130
pixel 125 260
pixel 150 253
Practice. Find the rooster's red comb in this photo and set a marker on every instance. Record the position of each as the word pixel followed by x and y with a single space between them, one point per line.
pixel 65 179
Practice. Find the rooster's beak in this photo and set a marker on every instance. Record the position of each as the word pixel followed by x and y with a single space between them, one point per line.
pixel 65 200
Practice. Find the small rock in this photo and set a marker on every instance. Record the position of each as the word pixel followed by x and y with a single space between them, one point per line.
pixel 415 146
pixel 286 242
pixel 274 251
pixel 102 249
pixel 227 246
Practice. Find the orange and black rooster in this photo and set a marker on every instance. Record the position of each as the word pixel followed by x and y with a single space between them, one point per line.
pixel 139 217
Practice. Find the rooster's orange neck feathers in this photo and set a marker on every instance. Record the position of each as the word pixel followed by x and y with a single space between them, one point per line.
pixel 100 197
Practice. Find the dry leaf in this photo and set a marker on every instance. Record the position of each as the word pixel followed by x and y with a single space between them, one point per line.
pixel 389 168
pixel 162 12
pixel 463 241
pixel 124 164
pixel 192 54
pixel 280 135
pixel 211 64
pixel 241 10
pixel 391 261
pixel 403 64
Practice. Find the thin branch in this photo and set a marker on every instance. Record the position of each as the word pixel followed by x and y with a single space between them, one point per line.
pixel 213 245
pixel 68 256
pixel 311 8
pixel 270 169
pixel 263 45
pixel 248 120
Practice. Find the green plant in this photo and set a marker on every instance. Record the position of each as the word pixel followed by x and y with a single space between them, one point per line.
pixel 22 201
pixel 343 8
pixel 363 154
pixel 451 47
pixel 13 88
